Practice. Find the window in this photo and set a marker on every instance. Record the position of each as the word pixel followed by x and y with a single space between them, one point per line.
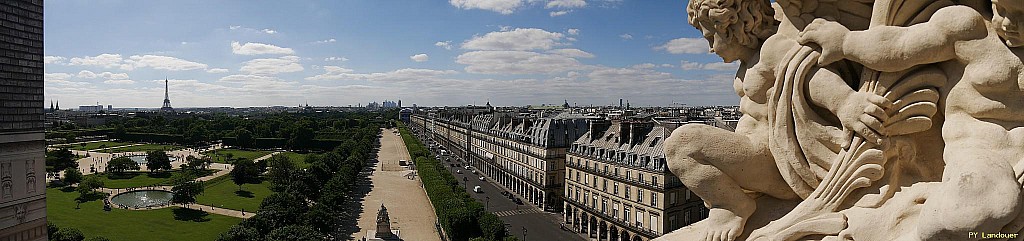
pixel 672 222
pixel 615 210
pixel 654 223
pixel 604 206
pixel 639 195
pixel 672 198
pixel 654 181
pixel 615 189
pixel 594 203
pixel 626 194
pixel 686 217
pixel 687 195
pixel 595 181
pixel 605 185
pixel 654 199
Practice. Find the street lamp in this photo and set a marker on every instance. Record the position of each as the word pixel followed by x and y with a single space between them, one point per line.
pixel 524 233
pixel 487 204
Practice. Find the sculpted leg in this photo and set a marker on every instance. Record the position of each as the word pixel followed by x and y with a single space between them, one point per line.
pixel 979 193
pixel 718 165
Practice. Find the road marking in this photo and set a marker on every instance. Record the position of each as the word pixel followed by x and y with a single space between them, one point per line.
pixel 507 213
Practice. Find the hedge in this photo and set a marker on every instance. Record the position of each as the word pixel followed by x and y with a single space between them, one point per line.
pixel 461 216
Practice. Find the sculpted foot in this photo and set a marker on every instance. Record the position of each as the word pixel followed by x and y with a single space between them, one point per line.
pixel 723 225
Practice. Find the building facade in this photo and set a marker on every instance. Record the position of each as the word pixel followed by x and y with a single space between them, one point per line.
pixel 22 151
pixel 617 185
pixel 525 154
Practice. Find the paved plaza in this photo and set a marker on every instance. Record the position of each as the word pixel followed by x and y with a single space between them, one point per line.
pixel 395 186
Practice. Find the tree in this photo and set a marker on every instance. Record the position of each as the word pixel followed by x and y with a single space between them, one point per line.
pixel 157 161
pixel 295 232
pixel 196 165
pixel 72 176
pixel 281 170
pixel 61 159
pixel 491 227
pixel 245 171
pixel 122 164
pixel 89 184
pixel 244 137
pixel 67 234
pixel 185 188
pixel 240 233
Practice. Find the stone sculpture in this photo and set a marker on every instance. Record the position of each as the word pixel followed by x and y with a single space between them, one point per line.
pixel 863 120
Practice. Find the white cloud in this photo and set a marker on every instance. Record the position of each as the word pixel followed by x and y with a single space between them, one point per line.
pixel 286 64
pixel 444 44
pixel 60 79
pixel 559 13
pixel 53 60
pixel 269 31
pixel 233 27
pixel 119 82
pixel 626 36
pixel 326 41
pixel 644 66
pixel 574 53
pixel 500 6
pixel 717 66
pixel 566 4
pixel 420 57
pixel 258 48
pixel 343 59
pixel 108 75
pixel 217 70
pixel 161 62
pixel 573 31
pixel 667 66
pixel 102 60
pixel 518 39
pixel 515 62
pixel 685 46
pixel 243 78
pixel 400 75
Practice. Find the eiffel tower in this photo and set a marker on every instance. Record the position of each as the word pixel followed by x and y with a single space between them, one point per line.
pixel 167 100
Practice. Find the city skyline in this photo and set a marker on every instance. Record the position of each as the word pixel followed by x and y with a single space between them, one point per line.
pixel 509 52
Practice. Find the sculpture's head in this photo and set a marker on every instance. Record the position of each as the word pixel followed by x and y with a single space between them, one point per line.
pixel 733 28
pixel 1008 19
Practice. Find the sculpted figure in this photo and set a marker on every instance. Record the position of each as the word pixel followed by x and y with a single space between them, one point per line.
pixel 983 104
pixel 729 169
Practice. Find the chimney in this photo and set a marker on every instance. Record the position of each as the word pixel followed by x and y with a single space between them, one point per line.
pixel 624 131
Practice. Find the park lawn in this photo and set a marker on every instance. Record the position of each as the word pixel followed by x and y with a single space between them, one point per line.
pixel 126 225
pixel 97 145
pixel 139 179
pixel 298 158
pixel 221 156
pixel 223 193
pixel 143 148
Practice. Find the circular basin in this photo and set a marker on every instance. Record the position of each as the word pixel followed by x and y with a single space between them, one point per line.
pixel 142 199
pixel 141 159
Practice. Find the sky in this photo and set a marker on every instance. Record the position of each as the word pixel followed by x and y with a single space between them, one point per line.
pixel 351 52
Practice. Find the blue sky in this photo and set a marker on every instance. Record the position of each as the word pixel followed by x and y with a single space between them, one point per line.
pixel 431 53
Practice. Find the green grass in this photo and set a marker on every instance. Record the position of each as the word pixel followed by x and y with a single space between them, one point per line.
pixel 138 179
pixel 298 158
pixel 97 145
pixel 143 147
pixel 126 225
pixel 221 192
pixel 221 156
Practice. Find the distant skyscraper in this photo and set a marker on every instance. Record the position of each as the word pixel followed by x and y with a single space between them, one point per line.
pixel 22 156
pixel 167 99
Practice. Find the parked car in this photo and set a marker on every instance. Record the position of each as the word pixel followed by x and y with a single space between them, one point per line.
pixel 477 189
pixel 467 167
pixel 458 171
pixel 518 201
pixel 474 171
pixel 481 178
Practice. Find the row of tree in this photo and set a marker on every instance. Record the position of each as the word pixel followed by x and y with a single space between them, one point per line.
pixel 461 216
pixel 312 203
pixel 57 233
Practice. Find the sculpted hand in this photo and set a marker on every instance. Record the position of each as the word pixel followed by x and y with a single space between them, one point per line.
pixel 827 34
pixel 864 113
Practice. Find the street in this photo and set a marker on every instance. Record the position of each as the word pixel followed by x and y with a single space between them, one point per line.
pixel 539 225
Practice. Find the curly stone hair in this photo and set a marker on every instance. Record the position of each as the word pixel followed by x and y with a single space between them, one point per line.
pixel 748 22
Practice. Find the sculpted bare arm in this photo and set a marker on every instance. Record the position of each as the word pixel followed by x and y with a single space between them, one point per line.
pixel 890 48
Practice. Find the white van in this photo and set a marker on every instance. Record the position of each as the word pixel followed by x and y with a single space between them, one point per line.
pixel 477 189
